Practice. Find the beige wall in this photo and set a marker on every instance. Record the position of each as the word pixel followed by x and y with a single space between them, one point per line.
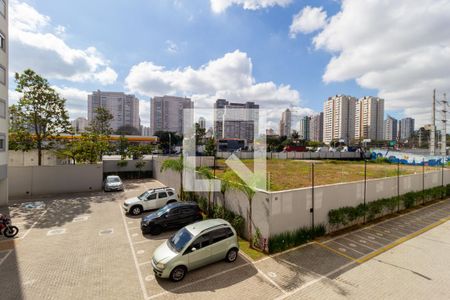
pixel 43 180
pixel 30 158
pixel 111 166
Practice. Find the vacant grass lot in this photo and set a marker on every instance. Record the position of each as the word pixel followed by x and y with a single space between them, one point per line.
pixel 290 174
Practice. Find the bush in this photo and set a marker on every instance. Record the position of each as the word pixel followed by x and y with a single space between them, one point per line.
pixel 409 199
pixel 286 240
pixel 122 163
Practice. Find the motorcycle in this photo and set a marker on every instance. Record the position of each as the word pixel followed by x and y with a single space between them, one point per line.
pixel 7 229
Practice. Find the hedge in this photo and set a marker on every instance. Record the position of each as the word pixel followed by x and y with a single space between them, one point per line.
pixel 343 216
pixel 286 240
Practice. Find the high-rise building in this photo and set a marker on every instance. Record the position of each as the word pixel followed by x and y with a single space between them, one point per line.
pixel 406 128
pixel 285 123
pixel 124 108
pixel 167 113
pixel 235 120
pixel 316 128
pixel 145 131
pixel 202 123
pixel 339 119
pixel 79 125
pixel 4 121
pixel 369 119
pixel 305 126
pixel 390 129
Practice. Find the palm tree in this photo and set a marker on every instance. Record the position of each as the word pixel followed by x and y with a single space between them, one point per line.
pixel 206 173
pixel 176 165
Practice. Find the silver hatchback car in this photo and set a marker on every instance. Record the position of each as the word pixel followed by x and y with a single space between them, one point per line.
pixel 194 246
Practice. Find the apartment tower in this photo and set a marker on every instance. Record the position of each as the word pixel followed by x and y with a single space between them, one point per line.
pixel 316 128
pixel 124 108
pixel 285 123
pixel 390 129
pixel 369 119
pixel 339 119
pixel 167 113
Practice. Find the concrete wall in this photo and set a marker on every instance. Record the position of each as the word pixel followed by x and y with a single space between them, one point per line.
pixel 111 166
pixel 30 158
pixel 44 180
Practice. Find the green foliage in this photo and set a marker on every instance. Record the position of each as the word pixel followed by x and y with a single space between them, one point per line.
pixel 127 130
pixel 90 147
pixel 210 147
pixel 257 239
pixel 348 215
pixel 140 164
pixel 122 163
pixel 286 240
pixel 40 111
pixel 101 124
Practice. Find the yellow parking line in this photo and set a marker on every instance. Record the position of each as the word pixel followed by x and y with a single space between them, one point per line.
pixel 336 251
pixel 401 240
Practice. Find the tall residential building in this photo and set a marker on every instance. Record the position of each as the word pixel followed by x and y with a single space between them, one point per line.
pixel 167 113
pixel 124 108
pixel 316 128
pixel 390 129
pixel 145 131
pixel 202 123
pixel 369 118
pixel 406 128
pixel 79 125
pixel 304 130
pixel 4 118
pixel 339 119
pixel 235 120
pixel 285 123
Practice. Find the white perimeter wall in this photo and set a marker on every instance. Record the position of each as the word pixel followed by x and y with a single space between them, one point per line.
pixel 44 180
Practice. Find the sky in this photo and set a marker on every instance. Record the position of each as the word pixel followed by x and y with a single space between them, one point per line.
pixel 278 53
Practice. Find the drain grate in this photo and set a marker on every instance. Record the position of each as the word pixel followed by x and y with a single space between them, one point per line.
pixel 80 219
pixel 106 231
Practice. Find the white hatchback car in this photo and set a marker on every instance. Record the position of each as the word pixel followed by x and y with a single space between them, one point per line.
pixel 149 200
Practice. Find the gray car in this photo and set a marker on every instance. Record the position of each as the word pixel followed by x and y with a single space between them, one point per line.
pixel 194 246
pixel 112 183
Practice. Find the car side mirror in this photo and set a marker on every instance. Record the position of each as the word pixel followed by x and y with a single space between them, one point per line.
pixel 166 216
pixel 193 249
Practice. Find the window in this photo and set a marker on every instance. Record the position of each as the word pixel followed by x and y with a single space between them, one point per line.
pixel 3 8
pixel 2 41
pixel 170 193
pixel 201 242
pixel 2 74
pixel 221 234
pixel 162 195
pixel 2 109
pixel 151 197
pixel 2 141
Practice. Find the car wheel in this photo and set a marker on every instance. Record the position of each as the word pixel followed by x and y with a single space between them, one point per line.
pixel 231 255
pixel 155 230
pixel 171 201
pixel 178 273
pixel 136 210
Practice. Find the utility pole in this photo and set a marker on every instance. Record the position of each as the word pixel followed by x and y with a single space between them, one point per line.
pixel 444 127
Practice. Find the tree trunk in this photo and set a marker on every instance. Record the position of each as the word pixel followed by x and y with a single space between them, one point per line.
pixel 181 186
pixel 39 148
pixel 250 237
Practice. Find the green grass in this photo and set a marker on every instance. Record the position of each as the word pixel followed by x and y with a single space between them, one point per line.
pixel 254 254
pixel 290 174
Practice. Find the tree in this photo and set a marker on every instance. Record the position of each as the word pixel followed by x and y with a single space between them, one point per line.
pixel 128 130
pixel 123 147
pixel 101 124
pixel 20 139
pixel 176 165
pixel 210 147
pixel 199 134
pixel 91 147
pixel 295 136
pixel 206 173
pixel 168 139
pixel 40 110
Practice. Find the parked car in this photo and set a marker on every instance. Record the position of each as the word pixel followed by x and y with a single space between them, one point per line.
pixel 173 215
pixel 112 183
pixel 151 199
pixel 194 246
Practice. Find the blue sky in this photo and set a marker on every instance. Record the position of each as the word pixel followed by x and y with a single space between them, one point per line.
pixel 150 47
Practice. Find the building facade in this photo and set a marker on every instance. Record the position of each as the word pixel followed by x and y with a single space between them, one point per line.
pixel 339 119
pixel 304 130
pixel 79 125
pixel 316 128
pixel 286 123
pixel 235 120
pixel 390 129
pixel 369 119
pixel 4 118
pixel 124 108
pixel 202 123
pixel 406 128
pixel 167 113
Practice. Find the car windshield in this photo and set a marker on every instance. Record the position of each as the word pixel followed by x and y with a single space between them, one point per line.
pixel 113 179
pixel 162 211
pixel 180 239
pixel 144 195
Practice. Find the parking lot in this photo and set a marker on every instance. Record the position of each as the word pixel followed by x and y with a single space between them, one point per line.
pixel 83 246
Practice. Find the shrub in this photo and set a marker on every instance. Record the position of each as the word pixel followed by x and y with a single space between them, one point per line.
pixel 373 209
pixel 409 199
pixel 122 163
pixel 286 240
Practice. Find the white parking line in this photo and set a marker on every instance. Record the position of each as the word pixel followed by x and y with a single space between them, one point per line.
pixel 348 247
pixel 141 280
pixel 5 257
pixel 359 243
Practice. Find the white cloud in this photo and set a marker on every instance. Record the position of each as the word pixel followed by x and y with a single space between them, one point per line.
pixel 35 43
pixel 76 100
pixel 308 20
pixel 219 6
pixel 396 47
pixel 229 77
